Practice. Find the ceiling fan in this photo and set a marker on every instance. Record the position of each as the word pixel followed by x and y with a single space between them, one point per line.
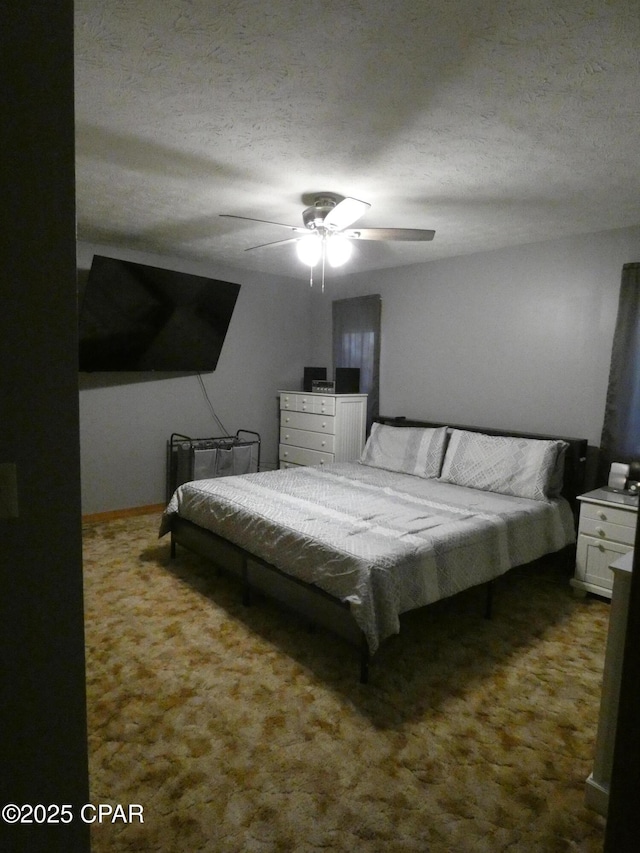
pixel 325 235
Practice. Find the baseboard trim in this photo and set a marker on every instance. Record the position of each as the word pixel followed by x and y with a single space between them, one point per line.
pixel 112 515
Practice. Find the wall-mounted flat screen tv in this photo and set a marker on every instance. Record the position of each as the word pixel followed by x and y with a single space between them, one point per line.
pixel 135 317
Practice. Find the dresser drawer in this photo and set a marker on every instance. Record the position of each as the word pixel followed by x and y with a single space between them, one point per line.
pixel 305 421
pixel 613 514
pixel 607 530
pixel 303 456
pixel 317 403
pixel 305 438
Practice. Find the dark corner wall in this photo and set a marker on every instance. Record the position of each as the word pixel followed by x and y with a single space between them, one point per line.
pixel 42 702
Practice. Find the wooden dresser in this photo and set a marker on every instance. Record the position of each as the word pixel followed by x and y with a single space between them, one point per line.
pixel 318 428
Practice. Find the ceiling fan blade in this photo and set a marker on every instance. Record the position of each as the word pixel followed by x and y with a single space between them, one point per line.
pixel 296 228
pixel 345 213
pixel 409 234
pixel 275 243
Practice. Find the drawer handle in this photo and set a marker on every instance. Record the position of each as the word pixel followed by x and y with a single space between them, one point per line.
pixel 601 547
pixel 324 423
pixel 287 420
pixel 323 444
pixel 601 532
pixel 286 453
pixel 286 437
pixel 602 515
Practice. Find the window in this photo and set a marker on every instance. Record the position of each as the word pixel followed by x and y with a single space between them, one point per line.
pixel 621 429
pixel 356 343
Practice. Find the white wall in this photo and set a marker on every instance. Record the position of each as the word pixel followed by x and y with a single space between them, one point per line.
pixel 516 339
pixel 125 420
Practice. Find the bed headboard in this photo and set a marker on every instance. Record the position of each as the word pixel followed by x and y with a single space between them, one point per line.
pixel 575 457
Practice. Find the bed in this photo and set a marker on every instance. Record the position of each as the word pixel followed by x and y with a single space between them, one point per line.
pixel 427 511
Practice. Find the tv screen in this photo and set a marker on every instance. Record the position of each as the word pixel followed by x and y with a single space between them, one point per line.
pixel 135 317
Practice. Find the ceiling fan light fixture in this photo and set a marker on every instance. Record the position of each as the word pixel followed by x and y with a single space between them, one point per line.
pixel 309 249
pixel 339 249
pixel 328 234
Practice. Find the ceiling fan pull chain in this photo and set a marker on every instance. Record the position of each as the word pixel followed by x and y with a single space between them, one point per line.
pixel 324 254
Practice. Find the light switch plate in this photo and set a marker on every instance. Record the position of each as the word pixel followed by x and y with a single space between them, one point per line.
pixel 8 490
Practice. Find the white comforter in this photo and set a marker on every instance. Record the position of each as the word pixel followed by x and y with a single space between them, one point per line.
pixel 382 541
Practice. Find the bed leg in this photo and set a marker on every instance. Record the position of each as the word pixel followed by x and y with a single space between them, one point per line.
pixel 364 660
pixel 488 613
pixel 172 551
pixel 246 589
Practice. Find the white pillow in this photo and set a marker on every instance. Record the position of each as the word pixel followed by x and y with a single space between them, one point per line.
pixel 408 450
pixel 523 467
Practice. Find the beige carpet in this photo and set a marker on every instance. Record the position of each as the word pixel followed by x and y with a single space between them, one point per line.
pixel 237 729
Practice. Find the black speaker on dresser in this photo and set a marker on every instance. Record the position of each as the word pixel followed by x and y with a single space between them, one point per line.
pixel 311 373
pixel 347 380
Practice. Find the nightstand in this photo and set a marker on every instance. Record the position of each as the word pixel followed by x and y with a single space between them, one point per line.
pixel 606 531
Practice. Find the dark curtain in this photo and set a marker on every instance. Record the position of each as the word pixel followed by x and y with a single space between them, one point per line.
pixel 356 343
pixel 620 440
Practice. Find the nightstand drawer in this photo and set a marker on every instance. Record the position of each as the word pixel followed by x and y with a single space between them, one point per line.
pixel 305 421
pixel 302 456
pixel 608 531
pixel 305 438
pixel 612 514
pixel 593 558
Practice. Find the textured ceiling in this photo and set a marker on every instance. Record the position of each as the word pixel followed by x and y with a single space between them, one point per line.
pixel 496 122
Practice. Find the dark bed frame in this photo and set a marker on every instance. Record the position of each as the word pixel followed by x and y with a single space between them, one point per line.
pixel 313 603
